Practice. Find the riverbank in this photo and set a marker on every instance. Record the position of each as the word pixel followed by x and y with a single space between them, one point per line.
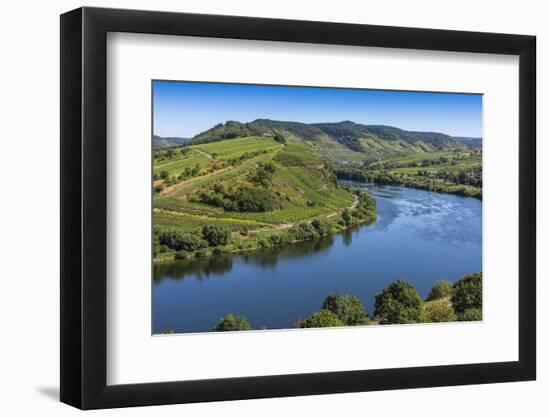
pixel 172 245
pixel 434 185
pixel 273 287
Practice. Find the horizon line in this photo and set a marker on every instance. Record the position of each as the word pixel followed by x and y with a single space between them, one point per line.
pixel 315 123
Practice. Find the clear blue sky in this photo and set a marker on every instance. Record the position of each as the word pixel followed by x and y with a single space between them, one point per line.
pixel 185 109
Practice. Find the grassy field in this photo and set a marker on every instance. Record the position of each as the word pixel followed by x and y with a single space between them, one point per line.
pixel 255 191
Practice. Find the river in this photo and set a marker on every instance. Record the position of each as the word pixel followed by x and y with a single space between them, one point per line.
pixel 420 236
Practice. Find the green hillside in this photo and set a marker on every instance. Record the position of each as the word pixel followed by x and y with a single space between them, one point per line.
pixel 249 192
pixel 343 141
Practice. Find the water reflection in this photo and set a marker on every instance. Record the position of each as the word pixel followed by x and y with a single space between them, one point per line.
pixel 419 235
pixel 201 268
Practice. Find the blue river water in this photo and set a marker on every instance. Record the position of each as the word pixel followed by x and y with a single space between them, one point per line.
pixel 419 236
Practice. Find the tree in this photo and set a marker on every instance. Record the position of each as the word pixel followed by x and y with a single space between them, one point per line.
pixel 232 323
pixel 346 216
pixel 348 308
pixel 322 227
pixel 323 318
pixel 440 311
pixel 398 303
pixel 440 289
pixel 467 293
pixel 279 138
pixel 164 175
pixel 215 234
pixel 180 241
pixel 472 314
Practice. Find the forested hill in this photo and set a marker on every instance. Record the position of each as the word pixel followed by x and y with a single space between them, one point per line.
pixel 341 141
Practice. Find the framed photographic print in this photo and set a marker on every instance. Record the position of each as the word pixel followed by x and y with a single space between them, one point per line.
pixel 257 208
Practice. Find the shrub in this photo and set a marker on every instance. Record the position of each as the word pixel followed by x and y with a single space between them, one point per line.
pixel 346 216
pixel 323 318
pixel 279 138
pixel 256 200
pixel 182 254
pixel 440 311
pixel 440 289
pixel 277 240
pixel 322 227
pixel 349 309
pixel 201 253
pixel 398 303
pixel 215 234
pixel 467 293
pixel 180 241
pixel 472 314
pixel 231 323
pixel 303 231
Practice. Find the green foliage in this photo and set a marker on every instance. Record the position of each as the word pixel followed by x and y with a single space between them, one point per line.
pixel 439 310
pixel 348 308
pixel 180 241
pixel 257 200
pixel 216 235
pixel 322 226
pixel 398 303
pixel 279 138
pixel 467 293
pixel 472 314
pixel 264 174
pixel 303 231
pixel 346 216
pixel 323 318
pixel 231 323
pixel 168 331
pixel 440 289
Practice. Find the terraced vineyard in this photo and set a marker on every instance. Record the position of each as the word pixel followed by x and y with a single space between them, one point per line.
pixel 252 192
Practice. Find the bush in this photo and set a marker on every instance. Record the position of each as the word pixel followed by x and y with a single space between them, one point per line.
pixel 231 323
pixel 279 138
pixel 398 303
pixel 467 293
pixel 201 253
pixel 256 200
pixel 472 314
pixel 348 308
pixel 216 235
pixel 277 240
pixel 180 241
pixel 323 318
pixel 182 254
pixel 440 311
pixel 322 227
pixel 346 216
pixel 303 231
pixel 440 289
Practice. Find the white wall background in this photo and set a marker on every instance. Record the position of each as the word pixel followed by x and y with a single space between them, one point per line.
pixel 29 218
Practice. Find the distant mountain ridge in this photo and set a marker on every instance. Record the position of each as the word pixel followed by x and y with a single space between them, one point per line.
pixel 165 142
pixel 344 140
pixel 469 142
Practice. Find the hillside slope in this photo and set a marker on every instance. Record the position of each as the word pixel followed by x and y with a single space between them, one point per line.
pixel 343 141
pixel 254 187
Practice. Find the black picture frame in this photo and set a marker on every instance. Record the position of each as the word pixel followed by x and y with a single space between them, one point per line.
pixel 84 207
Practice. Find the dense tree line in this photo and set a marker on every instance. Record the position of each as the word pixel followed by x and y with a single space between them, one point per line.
pixel 398 303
